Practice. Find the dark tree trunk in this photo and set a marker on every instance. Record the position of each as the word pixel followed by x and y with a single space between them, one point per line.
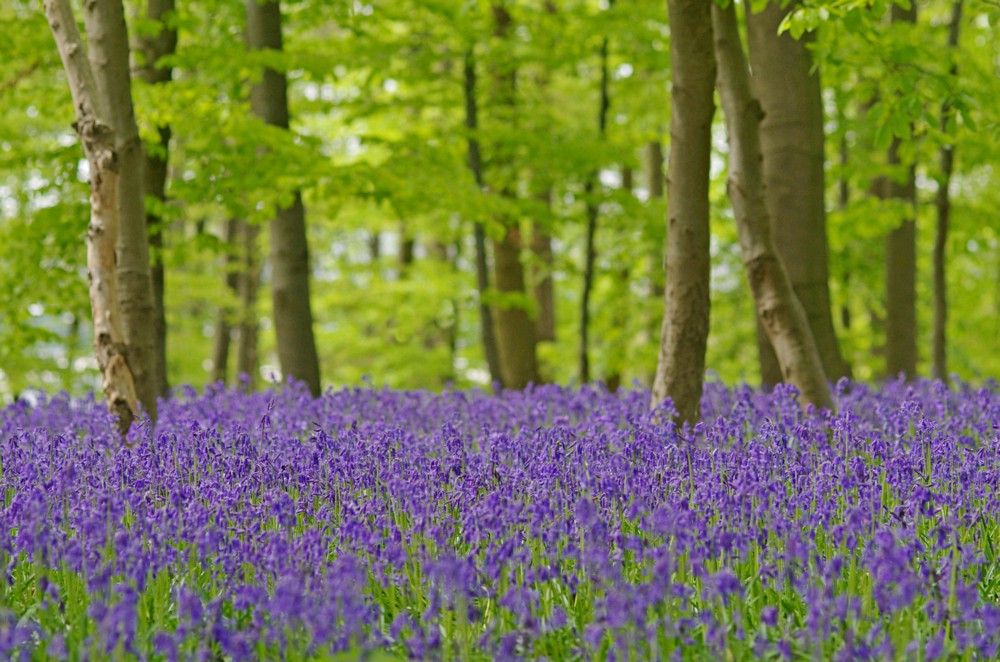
pixel 943 203
pixel 154 47
pixel 248 283
pixel 515 328
pixel 545 298
pixel 901 259
pixel 680 370
pixel 289 248
pixel 792 141
pixel 777 306
pixel 486 322
pixel 593 212
pixel 223 323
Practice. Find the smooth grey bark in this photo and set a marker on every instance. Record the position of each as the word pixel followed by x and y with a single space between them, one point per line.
pixel 153 48
pixel 777 306
pixel 117 248
pixel 901 257
pixel 289 248
pixel 593 212
pixel 943 204
pixel 792 141
pixel 475 161
pixel 680 370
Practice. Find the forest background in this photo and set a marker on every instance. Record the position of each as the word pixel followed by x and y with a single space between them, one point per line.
pixel 568 107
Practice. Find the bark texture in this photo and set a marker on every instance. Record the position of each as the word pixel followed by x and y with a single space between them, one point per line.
pixel 248 283
pixel 289 249
pixel 475 161
pixel 943 204
pixel 777 306
pixel 154 47
pixel 117 249
pixel 901 258
pixel 792 140
pixel 680 369
pixel 224 318
pixel 515 328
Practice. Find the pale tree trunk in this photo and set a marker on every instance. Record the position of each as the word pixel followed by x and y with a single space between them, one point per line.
pixel 593 212
pixel 289 249
pixel 117 247
pixel 777 306
pixel 486 322
pixel 680 371
pixel 943 203
pixel 901 259
pixel 792 141
pixel 515 328
pixel 154 47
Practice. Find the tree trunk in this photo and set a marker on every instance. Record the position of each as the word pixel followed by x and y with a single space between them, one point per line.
pixel 622 304
pixel 486 323
pixel 777 306
pixel 545 298
pixel 515 328
pixel 293 320
pixel 223 324
pixel 407 245
pixel 117 247
pixel 154 47
pixel 901 259
pixel 593 212
pixel 680 370
pixel 792 142
pixel 654 184
pixel 248 282
pixel 943 203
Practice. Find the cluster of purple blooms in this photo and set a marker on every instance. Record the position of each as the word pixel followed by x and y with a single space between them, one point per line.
pixel 553 523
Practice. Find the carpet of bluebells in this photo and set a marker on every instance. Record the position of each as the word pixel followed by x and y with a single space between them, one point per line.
pixel 555 523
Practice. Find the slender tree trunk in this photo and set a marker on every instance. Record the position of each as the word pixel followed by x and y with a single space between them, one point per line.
pixel 223 324
pixel 486 322
pixel 154 47
pixel 680 371
pixel 843 200
pixel 515 328
pixel 593 212
pixel 792 141
pixel 407 246
pixel 293 319
pixel 545 298
pixel 777 306
pixel 654 184
pixel 943 202
pixel 117 247
pixel 621 306
pixel 901 259
pixel 248 282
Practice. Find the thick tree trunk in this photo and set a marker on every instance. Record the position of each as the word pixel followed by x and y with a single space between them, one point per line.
pixel 777 306
pixel 486 323
pixel 593 212
pixel 901 259
pixel 680 370
pixel 293 319
pixel 154 47
pixel 515 328
pixel 943 203
pixel 117 248
pixel 792 141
